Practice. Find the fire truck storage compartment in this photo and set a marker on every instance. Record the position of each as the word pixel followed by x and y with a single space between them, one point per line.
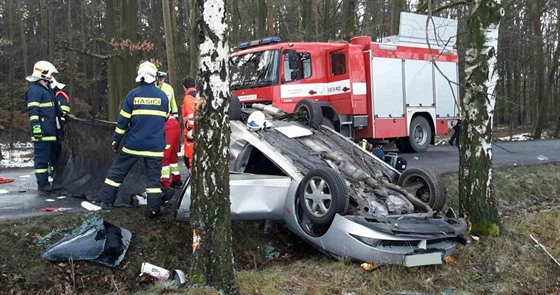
pixel 419 86
pixel 388 94
pixel 446 98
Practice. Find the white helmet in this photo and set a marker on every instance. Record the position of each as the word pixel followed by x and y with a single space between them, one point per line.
pixel 256 121
pixel 147 71
pixel 42 70
pixel 56 84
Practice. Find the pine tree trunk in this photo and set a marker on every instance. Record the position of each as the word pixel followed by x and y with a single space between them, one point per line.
pixel 210 207
pixel 476 190
pixel 541 108
pixel 349 13
pixel 23 38
pixel 194 33
pixel 261 18
pixel 169 44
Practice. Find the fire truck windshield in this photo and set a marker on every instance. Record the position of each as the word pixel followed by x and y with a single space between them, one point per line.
pixel 257 69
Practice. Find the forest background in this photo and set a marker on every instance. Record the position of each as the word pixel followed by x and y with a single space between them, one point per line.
pixel 96 46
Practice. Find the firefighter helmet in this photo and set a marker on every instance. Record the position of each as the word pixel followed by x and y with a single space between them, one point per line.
pixel 256 121
pixel 56 84
pixel 147 71
pixel 42 70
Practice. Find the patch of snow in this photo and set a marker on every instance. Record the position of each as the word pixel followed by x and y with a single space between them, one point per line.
pixel 20 156
pixel 517 137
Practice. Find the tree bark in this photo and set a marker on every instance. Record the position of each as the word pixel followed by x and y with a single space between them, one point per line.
pixel 210 207
pixel 476 190
pixel 25 51
pixel 349 27
pixel 194 36
pixel 261 18
pixel 169 45
pixel 535 12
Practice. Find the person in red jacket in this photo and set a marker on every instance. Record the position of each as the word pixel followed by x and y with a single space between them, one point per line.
pixel 188 109
pixel 170 163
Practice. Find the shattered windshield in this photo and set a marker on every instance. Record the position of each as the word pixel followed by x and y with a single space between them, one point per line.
pixel 255 69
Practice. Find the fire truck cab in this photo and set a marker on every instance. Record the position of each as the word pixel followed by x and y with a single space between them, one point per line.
pixel 362 89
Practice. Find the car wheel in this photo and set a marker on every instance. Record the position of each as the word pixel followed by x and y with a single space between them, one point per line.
pixel 322 192
pixel 425 184
pixel 420 134
pixel 234 108
pixel 310 111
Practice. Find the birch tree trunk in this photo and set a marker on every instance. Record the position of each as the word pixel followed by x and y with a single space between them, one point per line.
pixel 210 207
pixel 476 184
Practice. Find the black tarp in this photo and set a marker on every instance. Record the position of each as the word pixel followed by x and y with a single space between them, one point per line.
pixel 85 159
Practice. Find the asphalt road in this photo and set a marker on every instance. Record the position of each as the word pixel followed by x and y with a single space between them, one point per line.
pixel 21 199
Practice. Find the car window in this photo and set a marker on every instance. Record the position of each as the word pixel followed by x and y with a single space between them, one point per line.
pixel 258 163
pixel 303 70
pixel 338 62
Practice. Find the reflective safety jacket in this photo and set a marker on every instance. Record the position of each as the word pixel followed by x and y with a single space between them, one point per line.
pixel 43 110
pixel 64 101
pixel 188 110
pixel 142 119
pixel 171 97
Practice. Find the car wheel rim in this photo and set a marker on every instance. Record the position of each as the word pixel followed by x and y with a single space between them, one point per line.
pixel 306 113
pixel 317 197
pixel 420 135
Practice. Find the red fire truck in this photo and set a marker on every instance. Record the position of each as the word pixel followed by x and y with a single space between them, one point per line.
pixel 364 90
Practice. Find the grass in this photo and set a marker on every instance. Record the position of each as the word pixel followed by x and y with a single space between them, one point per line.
pixel 508 264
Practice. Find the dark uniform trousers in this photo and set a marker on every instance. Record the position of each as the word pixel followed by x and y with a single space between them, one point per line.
pixel 123 163
pixel 44 152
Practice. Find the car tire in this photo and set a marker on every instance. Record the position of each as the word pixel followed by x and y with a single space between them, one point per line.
pixel 419 135
pixel 234 108
pixel 425 184
pixel 322 193
pixel 310 111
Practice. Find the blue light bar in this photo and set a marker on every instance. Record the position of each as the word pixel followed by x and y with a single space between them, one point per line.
pixel 263 41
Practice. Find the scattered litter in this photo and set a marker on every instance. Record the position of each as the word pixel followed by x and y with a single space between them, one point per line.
pixel 367 266
pixel 61 197
pixel 63 209
pixel 542 158
pixel 178 277
pixel 49 200
pixel 514 164
pixel 475 238
pixel 449 260
pixel 139 200
pixel 98 241
pixel 544 248
pixel 271 252
pixel 155 271
pixel 90 207
pixel 5 180
pixel 3 191
pixel 25 176
pixel 49 209
pixel 416 158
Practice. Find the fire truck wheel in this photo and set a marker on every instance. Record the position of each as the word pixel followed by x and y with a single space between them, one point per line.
pixel 234 108
pixel 403 145
pixel 328 123
pixel 425 184
pixel 420 134
pixel 310 111
pixel 322 193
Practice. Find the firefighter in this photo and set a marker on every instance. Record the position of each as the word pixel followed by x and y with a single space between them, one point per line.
pixel 43 112
pixel 188 109
pixel 142 119
pixel 454 140
pixel 170 165
pixel 63 101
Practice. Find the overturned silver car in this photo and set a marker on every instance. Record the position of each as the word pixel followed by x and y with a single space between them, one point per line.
pixel 339 198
